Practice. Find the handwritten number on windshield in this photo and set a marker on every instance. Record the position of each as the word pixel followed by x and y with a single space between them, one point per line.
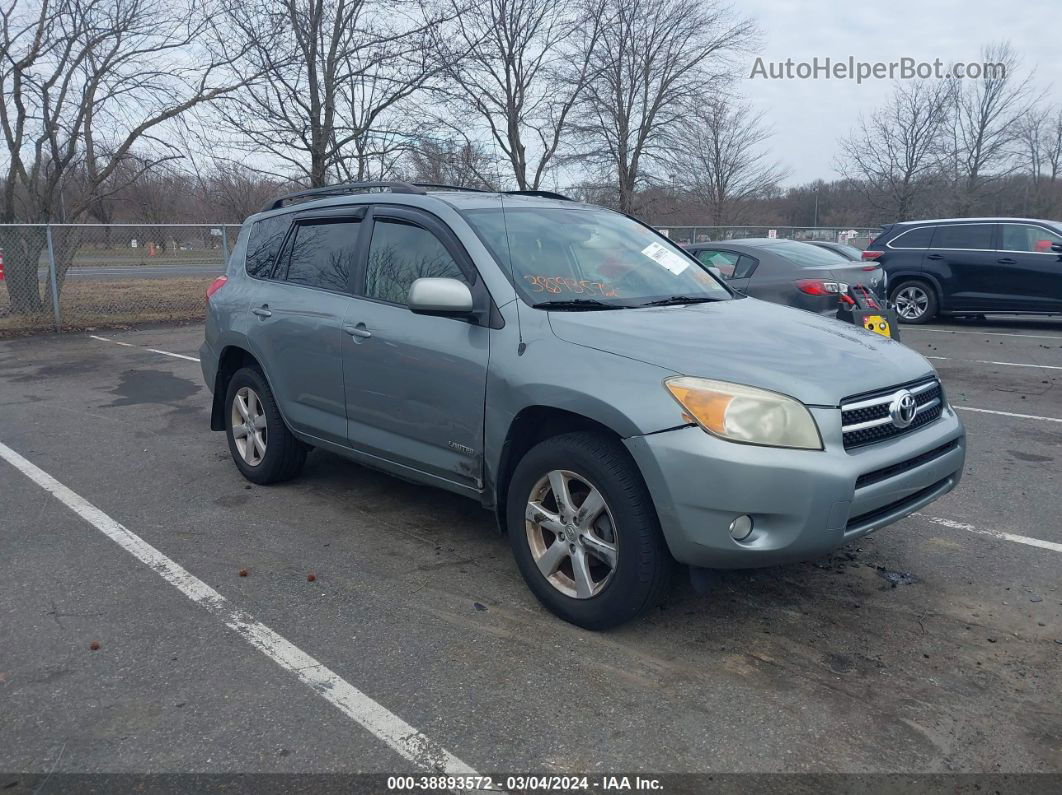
pixel 559 284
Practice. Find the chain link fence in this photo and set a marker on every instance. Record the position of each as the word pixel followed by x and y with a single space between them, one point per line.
pixel 66 277
pixel 72 277
pixel 858 237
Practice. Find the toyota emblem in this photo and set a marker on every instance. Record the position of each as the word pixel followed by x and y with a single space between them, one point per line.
pixel 903 408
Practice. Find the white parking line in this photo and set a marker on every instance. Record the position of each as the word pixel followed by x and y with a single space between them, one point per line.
pixel 152 350
pixel 383 724
pixel 1008 414
pixel 1032 542
pixel 985 361
pixel 908 328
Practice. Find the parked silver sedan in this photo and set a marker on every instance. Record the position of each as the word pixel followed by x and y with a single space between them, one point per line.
pixel 790 272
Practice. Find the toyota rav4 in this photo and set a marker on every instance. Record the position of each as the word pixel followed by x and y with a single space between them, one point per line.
pixel 616 406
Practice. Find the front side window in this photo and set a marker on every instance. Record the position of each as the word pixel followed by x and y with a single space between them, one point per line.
pixel 399 254
pixel 964 236
pixel 264 243
pixel 586 257
pixel 1025 237
pixel 321 254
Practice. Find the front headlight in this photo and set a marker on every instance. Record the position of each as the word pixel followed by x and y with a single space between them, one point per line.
pixel 745 414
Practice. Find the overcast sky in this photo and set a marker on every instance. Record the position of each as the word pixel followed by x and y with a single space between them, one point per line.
pixel 808 116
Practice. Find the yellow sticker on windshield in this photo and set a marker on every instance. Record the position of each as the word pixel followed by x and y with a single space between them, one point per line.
pixel 666 258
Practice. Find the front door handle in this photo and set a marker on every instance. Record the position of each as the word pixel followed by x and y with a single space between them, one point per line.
pixel 1006 261
pixel 262 311
pixel 357 331
pixel 935 256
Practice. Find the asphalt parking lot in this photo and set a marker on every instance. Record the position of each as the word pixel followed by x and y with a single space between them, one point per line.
pixel 932 645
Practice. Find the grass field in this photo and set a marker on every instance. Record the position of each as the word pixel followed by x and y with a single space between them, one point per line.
pixel 86 304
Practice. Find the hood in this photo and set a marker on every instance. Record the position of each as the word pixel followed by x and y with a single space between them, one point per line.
pixel 817 360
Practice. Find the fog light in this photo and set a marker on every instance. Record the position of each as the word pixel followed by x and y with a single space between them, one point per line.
pixel 741 528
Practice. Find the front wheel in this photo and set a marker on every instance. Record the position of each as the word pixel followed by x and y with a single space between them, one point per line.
pixel 915 302
pixel 584 531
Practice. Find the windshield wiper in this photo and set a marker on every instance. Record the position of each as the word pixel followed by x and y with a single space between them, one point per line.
pixel 682 299
pixel 577 304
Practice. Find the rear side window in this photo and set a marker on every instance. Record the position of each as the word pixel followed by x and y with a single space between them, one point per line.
pixel 321 254
pixel 964 236
pixel 1025 237
pixel 264 243
pixel 913 238
pixel 730 265
pixel 399 254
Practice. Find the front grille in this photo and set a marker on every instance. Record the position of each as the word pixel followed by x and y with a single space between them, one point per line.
pixel 885 473
pixel 865 418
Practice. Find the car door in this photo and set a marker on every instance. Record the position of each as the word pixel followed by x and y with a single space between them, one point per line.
pixel 299 313
pixel 963 259
pixel 1030 272
pixel 735 268
pixel 416 384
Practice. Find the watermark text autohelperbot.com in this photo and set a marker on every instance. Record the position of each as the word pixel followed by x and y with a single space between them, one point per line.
pixel 851 69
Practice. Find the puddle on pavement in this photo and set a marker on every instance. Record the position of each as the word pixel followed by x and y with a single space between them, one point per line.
pixel 137 387
pixel 895 578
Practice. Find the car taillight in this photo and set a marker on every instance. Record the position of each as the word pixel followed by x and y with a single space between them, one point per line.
pixel 216 285
pixel 818 287
pixel 871 255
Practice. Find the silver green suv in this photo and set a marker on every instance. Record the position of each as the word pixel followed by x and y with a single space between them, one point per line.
pixel 616 406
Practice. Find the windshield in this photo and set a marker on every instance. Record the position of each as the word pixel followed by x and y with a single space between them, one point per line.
pixel 590 258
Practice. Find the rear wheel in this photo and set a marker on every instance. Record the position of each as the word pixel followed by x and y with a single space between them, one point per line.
pixel 584 531
pixel 915 301
pixel 262 447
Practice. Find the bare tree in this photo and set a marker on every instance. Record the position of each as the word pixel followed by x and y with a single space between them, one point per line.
pixel 655 60
pixel 336 72
pixel 452 163
pixel 720 159
pixel 1038 148
pixel 895 152
pixel 517 68
pixel 87 85
pixel 985 118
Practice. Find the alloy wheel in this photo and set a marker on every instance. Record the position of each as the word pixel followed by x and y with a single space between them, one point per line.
pixel 912 302
pixel 571 533
pixel 248 423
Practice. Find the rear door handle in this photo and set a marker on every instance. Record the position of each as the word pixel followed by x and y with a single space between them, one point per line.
pixel 359 331
pixel 934 256
pixel 1006 261
pixel 262 311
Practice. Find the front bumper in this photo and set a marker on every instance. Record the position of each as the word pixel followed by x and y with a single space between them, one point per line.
pixel 803 503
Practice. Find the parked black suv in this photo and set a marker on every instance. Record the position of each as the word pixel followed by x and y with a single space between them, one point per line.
pixel 971 266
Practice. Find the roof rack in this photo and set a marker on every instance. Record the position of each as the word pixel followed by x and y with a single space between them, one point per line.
pixel 343 189
pixel 542 194
pixel 440 186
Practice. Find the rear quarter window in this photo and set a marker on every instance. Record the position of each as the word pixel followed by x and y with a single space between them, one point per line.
pixel 263 244
pixel 920 237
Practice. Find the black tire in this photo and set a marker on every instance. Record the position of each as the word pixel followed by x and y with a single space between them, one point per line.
pixel 909 287
pixel 284 454
pixel 642 574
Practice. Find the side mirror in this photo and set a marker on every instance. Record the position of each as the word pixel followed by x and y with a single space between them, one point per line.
pixel 447 297
pixel 1057 248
